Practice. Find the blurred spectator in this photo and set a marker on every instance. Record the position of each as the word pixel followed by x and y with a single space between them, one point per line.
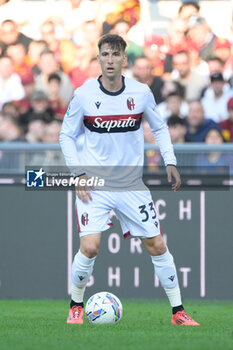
pixel 39 109
pixel 227 125
pixel 223 51
pixel 171 86
pixel 215 64
pixel 175 42
pixel 198 65
pixel 94 69
pixel 177 128
pixel 9 34
pixel 83 56
pixel 1 49
pixel 10 130
pixel 11 108
pixel 3 2
pixel 22 64
pixel 36 129
pixel 216 97
pixel 214 162
pixel 52 132
pixel 34 50
pixel 152 157
pixel 200 33
pixel 85 51
pixel 153 49
pixel 133 50
pixel 188 9
pixel 78 12
pixel 173 104
pixel 10 83
pixel 58 105
pixel 196 123
pixel 48 65
pixel 28 83
pixel 64 50
pixel 176 39
pixel 193 82
pixel 78 77
pixel 51 135
pixel 128 10
pixel 142 72
pixel 92 34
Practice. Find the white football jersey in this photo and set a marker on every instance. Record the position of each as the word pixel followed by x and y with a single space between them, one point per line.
pixel 112 123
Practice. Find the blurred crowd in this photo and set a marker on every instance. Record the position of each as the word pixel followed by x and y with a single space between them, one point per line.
pixel 189 70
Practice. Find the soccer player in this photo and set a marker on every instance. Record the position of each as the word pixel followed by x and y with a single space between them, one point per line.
pixel 111 109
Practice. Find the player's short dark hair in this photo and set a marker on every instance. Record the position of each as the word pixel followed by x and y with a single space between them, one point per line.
pixel 54 76
pixel 174 120
pixel 114 41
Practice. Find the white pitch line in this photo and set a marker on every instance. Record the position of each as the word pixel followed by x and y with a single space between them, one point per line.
pixel 202 245
pixel 69 239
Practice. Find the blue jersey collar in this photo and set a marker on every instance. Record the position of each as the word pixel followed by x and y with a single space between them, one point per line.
pixel 115 93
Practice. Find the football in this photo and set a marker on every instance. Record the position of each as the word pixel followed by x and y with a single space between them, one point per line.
pixel 103 308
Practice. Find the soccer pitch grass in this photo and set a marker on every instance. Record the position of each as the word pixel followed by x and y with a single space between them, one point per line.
pixel 32 325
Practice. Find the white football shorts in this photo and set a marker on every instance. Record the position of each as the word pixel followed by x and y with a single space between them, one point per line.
pixel 134 209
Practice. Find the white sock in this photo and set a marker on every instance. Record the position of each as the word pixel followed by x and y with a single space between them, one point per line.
pixel 81 271
pixel 77 293
pixel 174 296
pixel 166 271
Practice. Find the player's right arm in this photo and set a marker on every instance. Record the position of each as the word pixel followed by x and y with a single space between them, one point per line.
pixel 71 129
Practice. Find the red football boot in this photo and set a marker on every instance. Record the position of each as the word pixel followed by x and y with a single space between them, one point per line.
pixel 75 315
pixel 183 319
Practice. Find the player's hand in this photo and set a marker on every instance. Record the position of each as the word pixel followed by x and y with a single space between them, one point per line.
pixel 83 191
pixel 173 172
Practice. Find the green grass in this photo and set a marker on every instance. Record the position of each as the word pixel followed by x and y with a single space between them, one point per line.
pixel 29 325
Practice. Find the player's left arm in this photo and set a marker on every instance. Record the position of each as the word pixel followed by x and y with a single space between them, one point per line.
pixel 162 136
pixel 172 172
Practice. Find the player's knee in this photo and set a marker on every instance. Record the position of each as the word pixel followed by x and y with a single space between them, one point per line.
pixel 90 250
pixel 159 246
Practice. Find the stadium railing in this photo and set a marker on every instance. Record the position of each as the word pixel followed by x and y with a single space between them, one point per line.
pixel 192 158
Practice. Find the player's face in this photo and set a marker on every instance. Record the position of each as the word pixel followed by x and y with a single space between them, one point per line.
pixel 111 61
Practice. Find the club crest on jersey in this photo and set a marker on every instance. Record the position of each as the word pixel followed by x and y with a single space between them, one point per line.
pixel 130 103
pixel 84 219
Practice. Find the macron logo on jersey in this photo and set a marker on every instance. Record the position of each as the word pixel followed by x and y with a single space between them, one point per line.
pixel 113 123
